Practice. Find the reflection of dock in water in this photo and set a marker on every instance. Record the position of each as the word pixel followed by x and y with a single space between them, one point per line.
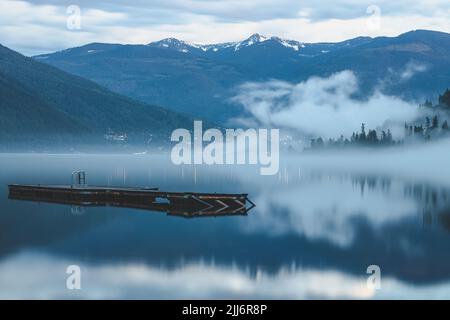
pixel 185 204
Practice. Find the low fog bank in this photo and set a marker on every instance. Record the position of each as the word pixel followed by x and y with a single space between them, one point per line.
pixel 67 148
pixel 325 107
pixel 429 161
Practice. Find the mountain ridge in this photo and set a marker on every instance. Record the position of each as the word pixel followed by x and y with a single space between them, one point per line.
pixel 210 75
pixel 41 101
pixel 254 39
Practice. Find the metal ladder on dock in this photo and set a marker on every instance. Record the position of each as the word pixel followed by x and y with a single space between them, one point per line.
pixel 79 177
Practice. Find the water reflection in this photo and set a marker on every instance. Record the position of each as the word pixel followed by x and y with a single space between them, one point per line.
pixel 312 235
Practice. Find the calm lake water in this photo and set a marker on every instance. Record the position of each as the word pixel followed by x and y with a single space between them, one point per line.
pixel 316 228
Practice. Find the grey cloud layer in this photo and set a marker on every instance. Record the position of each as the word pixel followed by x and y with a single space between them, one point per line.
pixel 257 10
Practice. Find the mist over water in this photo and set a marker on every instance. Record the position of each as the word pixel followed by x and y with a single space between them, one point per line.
pixel 317 226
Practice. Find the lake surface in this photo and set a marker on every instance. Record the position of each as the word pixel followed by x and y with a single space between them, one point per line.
pixel 316 228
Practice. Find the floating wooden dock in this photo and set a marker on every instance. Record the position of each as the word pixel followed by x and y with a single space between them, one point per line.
pixel 186 204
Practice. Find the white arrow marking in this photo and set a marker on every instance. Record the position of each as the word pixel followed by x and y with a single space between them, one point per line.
pixel 209 206
pixel 223 204
pixel 241 204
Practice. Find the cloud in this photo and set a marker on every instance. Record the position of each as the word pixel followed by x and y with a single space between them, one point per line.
pixel 46 280
pixel 39 276
pixel 260 10
pixel 411 69
pixel 331 216
pixel 322 106
pixel 38 28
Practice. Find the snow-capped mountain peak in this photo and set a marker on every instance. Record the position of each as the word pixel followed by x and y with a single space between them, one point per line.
pixel 254 39
pixel 172 43
pixel 295 45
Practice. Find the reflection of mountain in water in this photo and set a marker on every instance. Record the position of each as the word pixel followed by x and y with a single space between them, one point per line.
pixel 316 220
pixel 434 200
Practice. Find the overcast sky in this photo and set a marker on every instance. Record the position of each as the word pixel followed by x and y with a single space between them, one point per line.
pixel 39 26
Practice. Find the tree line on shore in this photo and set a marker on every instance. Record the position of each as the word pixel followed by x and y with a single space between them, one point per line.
pixel 430 128
pixel 362 138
